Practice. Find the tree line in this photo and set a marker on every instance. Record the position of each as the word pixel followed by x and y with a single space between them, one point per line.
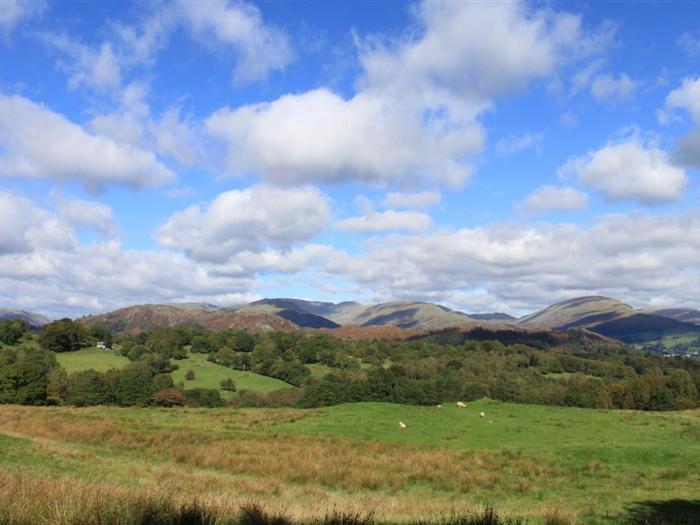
pixel 424 371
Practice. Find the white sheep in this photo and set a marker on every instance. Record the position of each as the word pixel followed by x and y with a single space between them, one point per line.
pixel 402 424
pixel 481 414
pixel 439 406
pixel 461 405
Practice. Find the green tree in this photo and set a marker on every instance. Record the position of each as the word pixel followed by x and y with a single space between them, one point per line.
pixel 12 330
pixel 225 356
pixel 88 388
pixel 101 333
pixel 189 375
pixel 135 385
pixel 63 336
pixel 23 383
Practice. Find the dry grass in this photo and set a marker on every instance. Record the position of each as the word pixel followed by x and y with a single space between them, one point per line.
pixel 330 463
pixel 128 460
pixel 46 501
pixel 304 476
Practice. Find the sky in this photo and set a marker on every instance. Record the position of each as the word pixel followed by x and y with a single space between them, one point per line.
pixel 488 156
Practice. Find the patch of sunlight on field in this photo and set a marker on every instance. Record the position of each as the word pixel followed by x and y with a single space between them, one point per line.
pixel 210 375
pixel 90 358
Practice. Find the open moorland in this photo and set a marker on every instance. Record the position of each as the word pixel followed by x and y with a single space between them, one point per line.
pixel 540 464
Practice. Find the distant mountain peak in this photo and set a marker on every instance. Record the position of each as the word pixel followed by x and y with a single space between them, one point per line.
pixel 35 320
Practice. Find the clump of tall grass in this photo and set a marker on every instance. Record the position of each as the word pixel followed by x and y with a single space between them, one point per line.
pixel 44 501
pixel 486 516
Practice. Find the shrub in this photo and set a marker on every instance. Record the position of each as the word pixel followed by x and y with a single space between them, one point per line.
pixel 228 385
pixel 169 397
pixel 204 397
pixel 189 375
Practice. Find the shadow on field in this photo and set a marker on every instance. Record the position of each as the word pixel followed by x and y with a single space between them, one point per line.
pixel 253 514
pixel 669 512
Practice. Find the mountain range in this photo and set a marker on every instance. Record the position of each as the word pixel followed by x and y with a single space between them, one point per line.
pixel 598 314
pixel 35 320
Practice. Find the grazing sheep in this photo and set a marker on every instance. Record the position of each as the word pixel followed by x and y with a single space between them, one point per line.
pixel 439 406
pixel 461 405
pixel 481 414
pixel 402 424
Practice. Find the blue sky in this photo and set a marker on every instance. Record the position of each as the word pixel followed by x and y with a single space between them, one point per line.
pixel 487 156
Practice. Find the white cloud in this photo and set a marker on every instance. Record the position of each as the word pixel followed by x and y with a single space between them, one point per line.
pixel 388 220
pixel 634 257
pixel 686 98
pixel 18 215
pixel 609 87
pixel 319 136
pixel 13 12
pixel 261 48
pixel 170 134
pixel 251 219
pixel 413 115
pixel 630 170
pixel 91 215
pixel 37 143
pixel 421 199
pixel 554 198
pixel 472 51
pixel 97 68
pixel 43 266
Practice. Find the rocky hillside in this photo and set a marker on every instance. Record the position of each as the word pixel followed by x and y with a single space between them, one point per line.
pixel 146 317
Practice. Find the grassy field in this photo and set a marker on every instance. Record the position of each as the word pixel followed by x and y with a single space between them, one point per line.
pixel 90 358
pixel 540 463
pixel 210 375
pixel 207 375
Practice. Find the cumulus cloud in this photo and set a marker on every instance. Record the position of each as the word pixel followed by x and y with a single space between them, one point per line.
pixel 414 113
pixel 685 98
pixel 469 52
pixel 319 136
pixel 388 220
pixel 37 143
pixel 634 257
pixel 90 215
pixel 13 12
pixel 630 170
pixel 261 48
pixel 251 219
pixel 44 267
pixel 19 215
pixel 170 134
pixel 421 199
pixel 609 87
pixel 554 198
